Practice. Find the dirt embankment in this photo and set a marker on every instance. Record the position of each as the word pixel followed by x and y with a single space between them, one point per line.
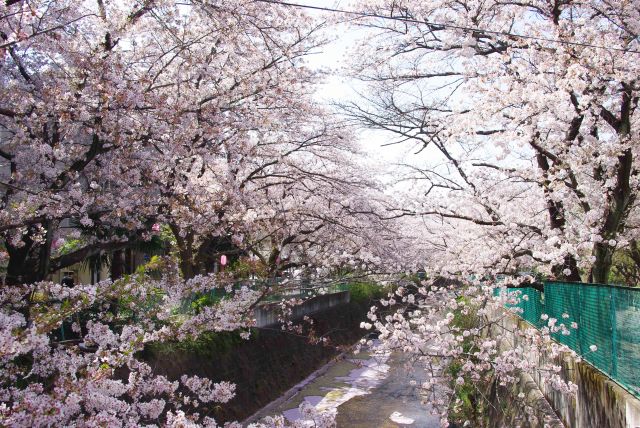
pixel 263 367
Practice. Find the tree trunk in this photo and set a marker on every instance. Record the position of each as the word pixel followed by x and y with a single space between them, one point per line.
pixel 621 198
pixel 185 250
pixel 557 220
pixel 602 266
pixel 128 261
pixel 19 262
pixel 571 264
pixel 29 262
pixel 117 265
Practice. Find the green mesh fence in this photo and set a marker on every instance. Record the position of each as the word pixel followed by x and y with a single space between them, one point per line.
pixel 529 306
pixel 591 314
pixel 626 335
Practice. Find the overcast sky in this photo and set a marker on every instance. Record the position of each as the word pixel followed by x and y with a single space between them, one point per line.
pixel 332 59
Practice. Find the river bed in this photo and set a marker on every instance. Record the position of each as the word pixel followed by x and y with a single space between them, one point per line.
pixel 365 390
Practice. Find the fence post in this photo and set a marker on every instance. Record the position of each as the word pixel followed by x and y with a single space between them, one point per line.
pixel 580 339
pixel 614 335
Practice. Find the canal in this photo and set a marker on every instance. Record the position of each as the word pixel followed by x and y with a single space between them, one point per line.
pixel 364 390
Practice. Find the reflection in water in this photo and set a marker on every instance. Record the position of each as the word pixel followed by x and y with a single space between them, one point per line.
pixel 360 381
pixel 399 418
pixel 395 402
pixel 346 379
pixel 365 390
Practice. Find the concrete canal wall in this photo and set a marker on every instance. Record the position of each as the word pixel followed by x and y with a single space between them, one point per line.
pixel 267 315
pixel 269 363
pixel 600 402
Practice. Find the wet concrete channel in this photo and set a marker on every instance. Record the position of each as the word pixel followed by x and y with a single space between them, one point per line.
pixel 366 390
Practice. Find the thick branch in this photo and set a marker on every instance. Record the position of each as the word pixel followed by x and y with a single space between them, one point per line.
pixel 84 253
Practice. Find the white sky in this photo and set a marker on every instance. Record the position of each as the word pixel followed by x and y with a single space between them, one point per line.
pixel 338 87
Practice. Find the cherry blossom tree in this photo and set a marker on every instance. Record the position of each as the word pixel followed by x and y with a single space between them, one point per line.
pixel 522 117
pixel 459 334
pixel 526 111
pixel 282 193
pixel 119 117
pixel 107 107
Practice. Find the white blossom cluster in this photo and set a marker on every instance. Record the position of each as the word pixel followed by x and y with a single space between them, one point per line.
pixel 524 116
pixel 421 322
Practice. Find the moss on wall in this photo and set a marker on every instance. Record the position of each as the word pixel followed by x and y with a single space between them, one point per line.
pixel 263 367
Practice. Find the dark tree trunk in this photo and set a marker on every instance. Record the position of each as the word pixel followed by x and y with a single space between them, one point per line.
pixel 557 220
pixel 622 197
pixel 602 266
pixel 128 261
pixel 571 264
pixel 18 271
pixel 117 264
pixel 29 262
pixel 185 250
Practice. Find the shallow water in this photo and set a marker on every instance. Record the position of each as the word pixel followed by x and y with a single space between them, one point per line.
pixel 392 403
pixel 366 390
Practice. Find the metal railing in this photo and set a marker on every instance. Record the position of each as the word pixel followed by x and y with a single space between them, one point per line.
pixel 281 290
